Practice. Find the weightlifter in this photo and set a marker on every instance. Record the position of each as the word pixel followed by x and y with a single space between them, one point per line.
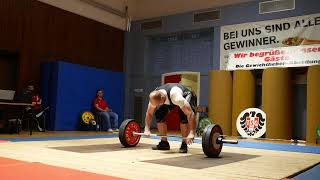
pixel 164 99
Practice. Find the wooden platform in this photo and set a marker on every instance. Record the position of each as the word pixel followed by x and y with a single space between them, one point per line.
pixel 106 156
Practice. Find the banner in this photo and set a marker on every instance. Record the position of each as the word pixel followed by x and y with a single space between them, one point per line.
pixel 263 35
pixel 276 57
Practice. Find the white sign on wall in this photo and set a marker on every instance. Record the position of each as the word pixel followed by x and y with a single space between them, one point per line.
pixel 263 35
pixel 251 123
pixel 276 57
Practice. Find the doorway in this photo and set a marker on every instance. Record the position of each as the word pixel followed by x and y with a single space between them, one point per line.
pixel 8 70
pixel 138 100
pixel 299 105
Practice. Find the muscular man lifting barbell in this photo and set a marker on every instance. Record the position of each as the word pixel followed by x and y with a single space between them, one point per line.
pixel 164 99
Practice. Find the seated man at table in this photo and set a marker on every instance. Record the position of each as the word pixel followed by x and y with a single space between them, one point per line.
pixel 29 95
pixel 102 109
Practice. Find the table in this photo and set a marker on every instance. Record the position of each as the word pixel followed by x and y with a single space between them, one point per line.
pixel 30 124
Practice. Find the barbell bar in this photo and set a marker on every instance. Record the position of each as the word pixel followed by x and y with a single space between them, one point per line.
pixel 220 139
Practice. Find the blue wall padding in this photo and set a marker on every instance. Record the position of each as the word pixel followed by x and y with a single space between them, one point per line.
pixel 48 90
pixel 69 89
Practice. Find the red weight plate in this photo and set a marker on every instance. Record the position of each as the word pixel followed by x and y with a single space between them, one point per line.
pixel 126 130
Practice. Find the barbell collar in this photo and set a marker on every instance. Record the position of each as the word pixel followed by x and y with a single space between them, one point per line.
pixel 220 140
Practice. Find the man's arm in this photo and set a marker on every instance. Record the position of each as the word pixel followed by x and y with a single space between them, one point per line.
pixel 98 108
pixel 107 109
pixel 36 100
pixel 178 99
pixel 40 101
pixel 187 110
pixel 148 118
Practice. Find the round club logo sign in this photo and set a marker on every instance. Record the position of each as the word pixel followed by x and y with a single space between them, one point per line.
pixel 251 123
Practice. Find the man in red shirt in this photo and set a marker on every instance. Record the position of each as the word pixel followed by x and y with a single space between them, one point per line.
pixel 30 95
pixel 39 110
pixel 102 109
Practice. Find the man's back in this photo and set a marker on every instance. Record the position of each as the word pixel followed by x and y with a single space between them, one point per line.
pixel 25 96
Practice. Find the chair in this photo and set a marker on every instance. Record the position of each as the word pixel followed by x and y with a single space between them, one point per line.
pixel 27 115
pixel 14 126
pixel 98 118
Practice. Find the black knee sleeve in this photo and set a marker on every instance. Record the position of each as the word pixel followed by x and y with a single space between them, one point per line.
pixel 161 113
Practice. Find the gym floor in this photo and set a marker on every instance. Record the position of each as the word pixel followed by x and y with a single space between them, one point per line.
pixel 92 155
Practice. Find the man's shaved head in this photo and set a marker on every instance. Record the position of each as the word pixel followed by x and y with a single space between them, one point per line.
pixel 157 98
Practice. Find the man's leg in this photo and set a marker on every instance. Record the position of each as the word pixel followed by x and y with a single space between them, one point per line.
pixel 162 128
pixel 105 120
pixel 114 117
pixel 38 118
pixel 184 131
pixel 40 123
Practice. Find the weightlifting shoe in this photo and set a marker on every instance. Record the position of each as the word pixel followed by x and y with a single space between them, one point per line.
pixel 183 148
pixel 163 145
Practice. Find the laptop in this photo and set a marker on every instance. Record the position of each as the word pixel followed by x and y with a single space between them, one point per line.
pixel 6 95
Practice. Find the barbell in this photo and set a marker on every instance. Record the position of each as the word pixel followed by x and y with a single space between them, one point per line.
pixel 212 138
